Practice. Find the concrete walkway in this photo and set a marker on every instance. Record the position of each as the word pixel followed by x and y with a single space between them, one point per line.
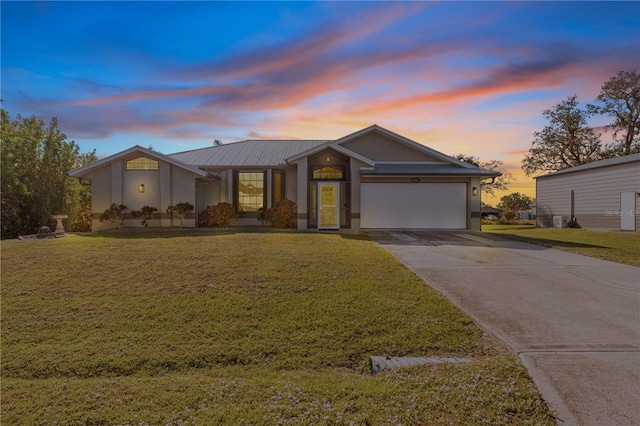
pixel 573 320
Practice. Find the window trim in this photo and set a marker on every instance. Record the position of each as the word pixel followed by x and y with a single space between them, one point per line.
pixel 143 160
pixel 320 167
pixel 274 189
pixel 236 190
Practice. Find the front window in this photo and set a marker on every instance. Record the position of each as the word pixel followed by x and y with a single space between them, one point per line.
pixel 142 163
pixel 249 191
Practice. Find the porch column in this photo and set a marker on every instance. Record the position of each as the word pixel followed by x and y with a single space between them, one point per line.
pixel 301 201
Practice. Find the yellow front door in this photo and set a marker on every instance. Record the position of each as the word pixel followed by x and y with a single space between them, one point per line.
pixel 328 205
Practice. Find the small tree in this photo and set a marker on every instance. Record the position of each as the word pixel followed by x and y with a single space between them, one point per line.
pixel 515 202
pixel 180 210
pixel 114 213
pixel 146 213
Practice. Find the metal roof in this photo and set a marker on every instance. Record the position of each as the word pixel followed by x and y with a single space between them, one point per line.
pixel 249 153
pixel 596 164
pixel 427 169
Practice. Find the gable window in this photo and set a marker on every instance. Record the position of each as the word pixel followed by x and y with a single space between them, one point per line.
pixel 278 186
pixel 328 173
pixel 249 193
pixel 142 163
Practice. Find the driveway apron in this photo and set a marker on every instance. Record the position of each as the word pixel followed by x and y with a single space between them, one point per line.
pixel 573 320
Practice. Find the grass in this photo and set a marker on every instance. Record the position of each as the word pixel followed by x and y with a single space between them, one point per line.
pixel 239 328
pixel 616 246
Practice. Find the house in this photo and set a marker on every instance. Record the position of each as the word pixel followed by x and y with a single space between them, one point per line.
pixel 490 213
pixel 370 179
pixel 600 195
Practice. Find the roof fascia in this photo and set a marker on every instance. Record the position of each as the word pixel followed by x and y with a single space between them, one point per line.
pixel 331 145
pixel 80 172
pixel 632 158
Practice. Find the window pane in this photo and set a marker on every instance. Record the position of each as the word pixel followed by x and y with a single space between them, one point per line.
pixel 327 173
pixel 278 186
pixel 142 163
pixel 250 191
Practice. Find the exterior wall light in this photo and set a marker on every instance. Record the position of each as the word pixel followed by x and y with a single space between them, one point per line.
pixel 141 188
pixel 474 191
pixel 327 158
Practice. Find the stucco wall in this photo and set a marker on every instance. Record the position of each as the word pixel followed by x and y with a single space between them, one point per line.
pixel 378 147
pixel 596 195
pixel 163 187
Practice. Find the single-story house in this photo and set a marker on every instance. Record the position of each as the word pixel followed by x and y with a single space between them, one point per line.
pixel 488 212
pixel 603 194
pixel 370 179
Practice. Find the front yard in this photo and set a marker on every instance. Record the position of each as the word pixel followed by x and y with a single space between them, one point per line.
pixel 616 246
pixel 239 328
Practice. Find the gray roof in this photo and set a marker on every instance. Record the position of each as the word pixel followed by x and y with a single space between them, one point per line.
pixel 423 169
pixel 249 153
pixel 596 164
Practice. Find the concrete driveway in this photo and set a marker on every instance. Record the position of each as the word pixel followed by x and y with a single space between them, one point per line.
pixel 573 320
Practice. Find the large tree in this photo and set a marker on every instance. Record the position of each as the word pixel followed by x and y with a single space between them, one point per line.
pixel 35 161
pixel 500 183
pixel 513 203
pixel 620 99
pixel 567 140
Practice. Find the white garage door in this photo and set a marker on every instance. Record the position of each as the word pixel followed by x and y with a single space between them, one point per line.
pixel 414 205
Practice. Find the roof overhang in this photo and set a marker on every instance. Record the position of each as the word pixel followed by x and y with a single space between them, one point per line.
pixel 406 141
pixel 85 172
pixel 330 145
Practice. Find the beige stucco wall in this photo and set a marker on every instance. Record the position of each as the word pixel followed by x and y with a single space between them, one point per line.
pixel 301 196
pixel 378 147
pixel 596 195
pixel 162 188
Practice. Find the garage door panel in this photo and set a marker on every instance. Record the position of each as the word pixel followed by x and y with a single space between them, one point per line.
pixel 414 205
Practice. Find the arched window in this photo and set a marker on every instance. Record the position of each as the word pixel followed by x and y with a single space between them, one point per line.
pixel 142 163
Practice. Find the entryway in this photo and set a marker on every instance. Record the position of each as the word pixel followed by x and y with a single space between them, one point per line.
pixel 329 205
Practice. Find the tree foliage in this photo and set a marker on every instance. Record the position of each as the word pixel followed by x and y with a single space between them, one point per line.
pixel 620 99
pixel 500 183
pixel 35 161
pixel 512 203
pixel 567 140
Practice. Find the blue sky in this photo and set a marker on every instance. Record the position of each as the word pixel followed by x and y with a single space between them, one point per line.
pixel 460 77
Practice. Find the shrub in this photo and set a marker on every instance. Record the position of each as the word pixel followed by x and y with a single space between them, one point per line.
pixel 180 210
pixel 114 213
pixel 219 215
pixel 282 214
pixel 146 213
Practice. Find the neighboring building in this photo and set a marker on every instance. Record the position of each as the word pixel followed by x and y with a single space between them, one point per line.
pixel 490 213
pixel 600 195
pixel 373 179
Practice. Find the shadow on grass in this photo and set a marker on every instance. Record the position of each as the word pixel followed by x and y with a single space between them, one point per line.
pixel 134 233
pixel 546 242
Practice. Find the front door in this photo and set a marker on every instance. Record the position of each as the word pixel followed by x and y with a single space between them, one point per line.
pixel 328 205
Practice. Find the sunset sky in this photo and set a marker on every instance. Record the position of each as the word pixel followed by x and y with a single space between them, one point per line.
pixel 459 77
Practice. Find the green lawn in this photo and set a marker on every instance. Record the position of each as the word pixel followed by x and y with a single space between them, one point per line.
pixel 616 246
pixel 239 328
